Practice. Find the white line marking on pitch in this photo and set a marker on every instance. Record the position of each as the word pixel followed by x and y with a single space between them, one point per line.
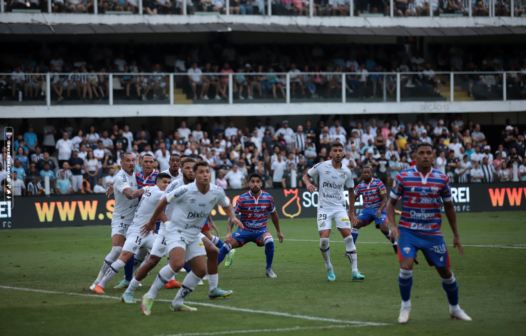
pixel 304 317
pixel 515 246
pixel 262 330
pixel 54 241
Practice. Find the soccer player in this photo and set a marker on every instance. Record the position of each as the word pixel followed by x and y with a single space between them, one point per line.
pixel 175 164
pixel 135 243
pixel 421 188
pixel 374 202
pixel 253 208
pixel 193 204
pixel 333 178
pixel 126 200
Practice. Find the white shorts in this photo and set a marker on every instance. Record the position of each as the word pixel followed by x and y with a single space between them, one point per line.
pixel 341 218
pixel 119 225
pixel 134 241
pixel 193 248
pixel 159 246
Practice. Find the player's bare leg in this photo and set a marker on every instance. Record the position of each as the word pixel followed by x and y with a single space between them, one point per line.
pixel 350 249
pixel 117 242
pixel 325 249
pixel 384 227
pixel 267 241
pixel 213 272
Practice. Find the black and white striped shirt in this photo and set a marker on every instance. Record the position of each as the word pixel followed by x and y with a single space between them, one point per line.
pixel 489 173
pixel 461 178
pixel 35 158
pixel 300 139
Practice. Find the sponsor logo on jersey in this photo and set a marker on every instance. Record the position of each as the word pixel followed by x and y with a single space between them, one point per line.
pixel 345 219
pixel 440 249
pixel 202 204
pixel 201 244
pixel 332 185
pixel 196 214
pixel 421 215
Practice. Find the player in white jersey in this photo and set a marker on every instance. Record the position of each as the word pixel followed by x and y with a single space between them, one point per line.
pixel 174 171
pixel 193 204
pixel 135 243
pixel 159 246
pixel 126 201
pixel 334 177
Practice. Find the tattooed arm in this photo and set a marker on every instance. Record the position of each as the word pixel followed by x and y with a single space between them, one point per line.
pixel 132 194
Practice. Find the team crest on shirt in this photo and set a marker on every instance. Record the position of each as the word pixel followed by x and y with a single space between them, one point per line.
pixel 161 250
pixel 213 201
pixel 322 224
pixel 407 249
pixel 342 175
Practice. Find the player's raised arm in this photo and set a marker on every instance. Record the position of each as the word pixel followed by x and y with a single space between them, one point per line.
pixel 150 226
pixel 212 225
pixel 447 198
pixel 383 197
pixel 232 217
pixel 132 194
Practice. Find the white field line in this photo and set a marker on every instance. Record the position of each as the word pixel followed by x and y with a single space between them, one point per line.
pixel 263 330
pixel 304 317
pixel 515 246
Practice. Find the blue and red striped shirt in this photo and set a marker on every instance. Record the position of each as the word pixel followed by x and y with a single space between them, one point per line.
pixel 421 199
pixel 253 211
pixel 371 193
pixel 145 181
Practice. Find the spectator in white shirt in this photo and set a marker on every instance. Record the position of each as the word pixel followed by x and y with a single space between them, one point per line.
pixel 455 146
pixel 195 76
pixel 64 147
pixel 487 153
pixel 99 153
pixel 477 156
pixel 230 130
pixel 277 170
pixel 235 178
pixel 197 133
pixel 128 135
pixel 184 132
pixel 109 178
pixel 477 136
pixel 19 79
pixel 368 135
pixel 99 189
pixel 477 175
pixel 438 130
pixel 288 134
pixel 336 126
pixel 296 79
pixel 338 136
pixel 18 186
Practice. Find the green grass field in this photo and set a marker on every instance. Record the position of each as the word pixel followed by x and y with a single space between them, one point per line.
pixel 45 275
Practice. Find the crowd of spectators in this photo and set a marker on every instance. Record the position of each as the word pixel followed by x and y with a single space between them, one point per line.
pixel 401 8
pixel 85 160
pixel 79 71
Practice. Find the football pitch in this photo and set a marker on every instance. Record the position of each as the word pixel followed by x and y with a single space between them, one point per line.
pixel 45 275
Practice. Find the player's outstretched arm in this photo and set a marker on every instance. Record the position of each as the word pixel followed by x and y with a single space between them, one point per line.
pixel 452 218
pixel 275 221
pixel 383 197
pixel 212 225
pixel 310 187
pixel 352 198
pixel 132 194
pixel 395 233
pixel 232 217
pixel 150 226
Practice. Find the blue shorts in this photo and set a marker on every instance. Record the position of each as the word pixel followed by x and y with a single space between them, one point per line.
pixel 433 247
pixel 368 215
pixel 245 236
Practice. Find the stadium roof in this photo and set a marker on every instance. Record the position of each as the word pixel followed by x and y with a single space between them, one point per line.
pixel 80 29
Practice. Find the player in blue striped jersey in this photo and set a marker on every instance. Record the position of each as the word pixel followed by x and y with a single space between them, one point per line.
pixel 252 208
pixel 421 188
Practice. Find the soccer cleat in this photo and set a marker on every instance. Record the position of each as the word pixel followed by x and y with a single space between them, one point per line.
pixel 404 315
pixel 217 292
pixel 124 284
pixel 357 276
pixel 92 287
pixel 173 284
pixel 146 305
pixel 270 273
pixel 98 290
pixel 230 258
pixel 395 248
pixel 127 298
pixel 182 308
pixel 200 283
pixel 459 315
pixel 330 274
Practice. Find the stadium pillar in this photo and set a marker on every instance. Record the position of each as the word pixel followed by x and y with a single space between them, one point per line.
pixel 269 8
pixel 452 86
pixel 288 88
pixel 227 10
pixel 504 87
pixel 140 7
pixel 515 172
pixel 397 87
pixel 391 4
pixel 470 9
pixel 385 88
pixel 2 6
pixel 344 96
pixel 352 9
pixel 230 89
pixel 110 94
pixel 512 4
pixel 184 7
pixel 46 185
pixel 430 8
pixel 171 89
pixel 293 179
pixel 212 176
pixel 49 5
pixel 311 5
pixel 48 88
pixel 95 7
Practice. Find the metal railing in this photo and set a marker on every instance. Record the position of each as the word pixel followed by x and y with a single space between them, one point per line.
pixel 281 87
pixel 491 8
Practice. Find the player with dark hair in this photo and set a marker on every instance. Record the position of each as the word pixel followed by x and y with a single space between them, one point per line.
pixel 374 197
pixel 421 187
pixel 135 243
pixel 174 170
pixel 252 208
pixel 192 203
pixel 333 178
